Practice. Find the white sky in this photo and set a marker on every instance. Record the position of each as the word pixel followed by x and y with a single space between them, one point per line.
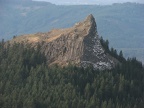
pixel 101 2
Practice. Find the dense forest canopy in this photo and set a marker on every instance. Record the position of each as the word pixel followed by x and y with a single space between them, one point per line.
pixel 26 81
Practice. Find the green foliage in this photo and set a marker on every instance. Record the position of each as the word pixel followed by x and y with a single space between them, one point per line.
pixel 112 52
pixel 27 82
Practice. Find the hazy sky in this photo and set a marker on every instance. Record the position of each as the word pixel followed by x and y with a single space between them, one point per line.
pixel 101 2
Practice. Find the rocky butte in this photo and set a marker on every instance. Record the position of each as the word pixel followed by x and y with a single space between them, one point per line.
pixel 78 45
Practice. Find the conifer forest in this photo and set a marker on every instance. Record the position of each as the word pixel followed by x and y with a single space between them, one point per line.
pixel 26 81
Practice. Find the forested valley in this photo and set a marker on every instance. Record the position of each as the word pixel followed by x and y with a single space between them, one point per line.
pixel 26 81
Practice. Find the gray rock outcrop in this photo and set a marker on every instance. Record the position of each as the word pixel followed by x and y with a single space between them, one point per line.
pixel 79 45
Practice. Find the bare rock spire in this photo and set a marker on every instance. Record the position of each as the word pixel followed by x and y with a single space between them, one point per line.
pixel 90 18
pixel 78 45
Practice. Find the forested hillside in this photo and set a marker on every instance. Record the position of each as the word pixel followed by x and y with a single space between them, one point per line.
pixel 121 24
pixel 27 82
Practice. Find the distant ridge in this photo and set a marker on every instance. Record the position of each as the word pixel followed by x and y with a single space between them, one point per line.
pixel 90 2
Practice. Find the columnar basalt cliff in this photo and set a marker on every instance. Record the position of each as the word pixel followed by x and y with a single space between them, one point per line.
pixel 78 45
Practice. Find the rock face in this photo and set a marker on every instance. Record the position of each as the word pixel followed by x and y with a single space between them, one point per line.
pixel 79 45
